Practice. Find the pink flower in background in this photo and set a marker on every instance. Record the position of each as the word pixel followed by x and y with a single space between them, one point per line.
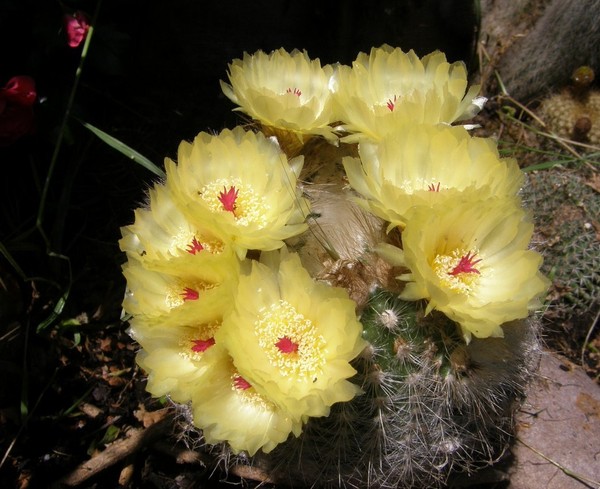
pixel 77 26
pixel 16 113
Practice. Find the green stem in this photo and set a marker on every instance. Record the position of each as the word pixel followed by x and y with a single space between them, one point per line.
pixel 63 127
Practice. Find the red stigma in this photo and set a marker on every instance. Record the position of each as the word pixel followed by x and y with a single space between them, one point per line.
pixel 391 103
pixel 295 91
pixel 228 198
pixel 190 294
pixel 202 345
pixel 434 188
pixel 286 345
pixel 241 383
pixel 465 265
pixel 194 247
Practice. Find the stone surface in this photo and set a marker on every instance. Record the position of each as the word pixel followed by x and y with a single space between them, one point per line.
pixel 558 435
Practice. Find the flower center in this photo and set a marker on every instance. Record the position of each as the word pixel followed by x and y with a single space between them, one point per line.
pixel 195 246
pixel 193 345
pixel 457 270
pixel 248 394
pixel 228 198
pixel 193 242
pixel 178 294
pixel 240 200
pixel 466 265
pixel 290 341
pixel 295 91
pixel 420 184
pixel 190 294
pixel 391 104
pixel 240 383
pixel 286 345
pixel 200 346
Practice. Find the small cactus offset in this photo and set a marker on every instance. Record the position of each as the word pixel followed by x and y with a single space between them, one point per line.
pixel 574 112
pixel 342 293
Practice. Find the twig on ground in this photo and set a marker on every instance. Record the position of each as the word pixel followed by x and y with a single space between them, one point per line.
pixel 137 439
pixel 581 478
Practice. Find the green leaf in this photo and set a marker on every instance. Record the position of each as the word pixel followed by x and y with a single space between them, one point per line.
pixel 60 304
pixel 110 435
pixel 122 148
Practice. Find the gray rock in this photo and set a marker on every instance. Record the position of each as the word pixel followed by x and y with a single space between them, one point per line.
pixel 558 435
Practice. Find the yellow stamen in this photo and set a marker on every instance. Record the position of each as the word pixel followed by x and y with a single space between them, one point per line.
pixel 281 320
pixel 449 271
pixel 250 208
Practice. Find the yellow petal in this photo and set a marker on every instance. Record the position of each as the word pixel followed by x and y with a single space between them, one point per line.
pixel 389 88
pixel 292 337
pixel 425 165
pixel 285 90
pixel 228 409
pixel 470 260
pixel 239 185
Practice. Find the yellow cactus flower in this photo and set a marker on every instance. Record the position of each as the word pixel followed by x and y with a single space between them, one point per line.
pixel 183 296
pixel 293 338
pixel 287 91
pixel 162 235
pixel 389 88
pixel 241 186
pixel 174 358
pixel 228 409
pixel 425 165
pixel 471 260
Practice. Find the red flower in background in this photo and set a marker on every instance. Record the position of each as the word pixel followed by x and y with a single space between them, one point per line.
pixel 77 26
pixel 20 90
pixel 16 109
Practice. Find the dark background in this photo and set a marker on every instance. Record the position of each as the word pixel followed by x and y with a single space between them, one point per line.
pixel 158 63
pixel 150 79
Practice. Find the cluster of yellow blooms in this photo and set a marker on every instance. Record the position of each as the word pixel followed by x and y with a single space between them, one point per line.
pixel 228 318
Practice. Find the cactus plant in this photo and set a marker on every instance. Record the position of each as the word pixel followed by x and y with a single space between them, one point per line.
pixel 566 208
pixel 354 312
